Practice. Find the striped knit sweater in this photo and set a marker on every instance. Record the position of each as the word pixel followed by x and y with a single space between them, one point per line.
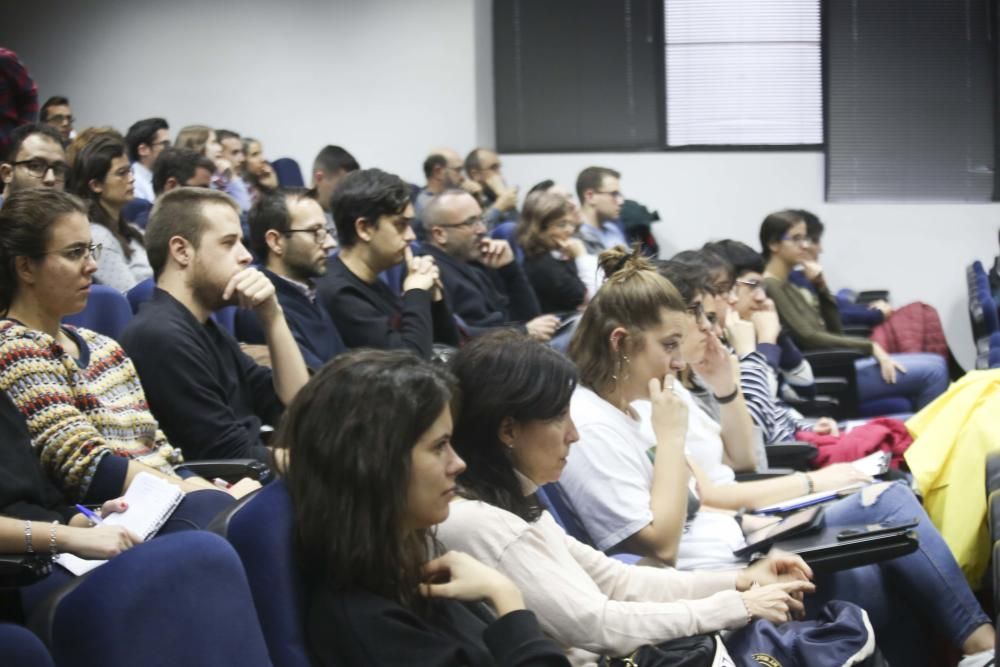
pixel 75 415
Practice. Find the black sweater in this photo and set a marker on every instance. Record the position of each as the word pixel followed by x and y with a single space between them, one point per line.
pixel 370 315
pixel 483 297
pixel 556 283
pixel 208 396
pixel 360 628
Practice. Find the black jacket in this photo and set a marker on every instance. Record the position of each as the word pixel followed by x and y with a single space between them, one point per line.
pixel 556 283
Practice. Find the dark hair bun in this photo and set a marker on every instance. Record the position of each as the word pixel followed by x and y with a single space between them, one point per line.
pixel 621 263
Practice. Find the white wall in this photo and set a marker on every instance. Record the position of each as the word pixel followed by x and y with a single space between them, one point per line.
pixel 389 79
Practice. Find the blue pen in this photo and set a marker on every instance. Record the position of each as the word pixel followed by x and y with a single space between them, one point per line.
pixel 96 520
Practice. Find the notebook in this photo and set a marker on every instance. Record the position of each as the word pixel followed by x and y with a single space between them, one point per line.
pixel 151 500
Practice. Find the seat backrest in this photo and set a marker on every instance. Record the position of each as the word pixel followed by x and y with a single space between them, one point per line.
pixel 107 312
pixel 288 172
pixel 991 319
pixel 554 499
pixel 261 533
pixel 507 231
pixel 179 599
pixel 20 648
pixel 140 294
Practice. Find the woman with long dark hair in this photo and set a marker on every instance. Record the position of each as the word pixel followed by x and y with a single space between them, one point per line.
pixel 102 176
pixel 514 431
pixel 371 472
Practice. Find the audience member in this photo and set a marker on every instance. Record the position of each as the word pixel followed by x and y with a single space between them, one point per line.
pixel 57 113
pixel 816 324
pixel 482 282
pixel 545 234
pixel 209 397
pixel 514 432
pixel 498 200
pixel 103 177
pixel 146 139
pixel 257 171
pixel 373 214
pixel 289 233
pixel 85 137
pixel 367 492
pixel 628 477
pixel 232 152
pixel 599 191
pixel 71 396
pixel 179 167
pixel 332 163
pixel 18 99
pixel 35 159
pixel 443 171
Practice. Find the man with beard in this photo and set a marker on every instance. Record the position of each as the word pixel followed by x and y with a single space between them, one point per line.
pixel 208 396
pixel 482 282
pixel 443 171
pixel 35 159
pixel 289 232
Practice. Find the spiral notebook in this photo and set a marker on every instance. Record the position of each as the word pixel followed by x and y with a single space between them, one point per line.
pixel 150 499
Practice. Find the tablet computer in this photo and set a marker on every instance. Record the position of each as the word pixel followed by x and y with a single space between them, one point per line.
pixel 803 522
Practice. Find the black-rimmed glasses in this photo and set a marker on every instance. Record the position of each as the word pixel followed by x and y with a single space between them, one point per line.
pixel 38 167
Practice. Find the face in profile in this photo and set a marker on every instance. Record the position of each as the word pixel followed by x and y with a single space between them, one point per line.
pixel 539 448
pixel 307 243
pixel 219 256
pixel 389 238
pixel 698 329
pixel 657 352
pixel 434 471
pixel 61 279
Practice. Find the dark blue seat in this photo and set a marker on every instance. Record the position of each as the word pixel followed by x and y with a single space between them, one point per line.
pixel 288 172
pixel 181 599
pixel 107 312
pixel 261 531
pixel 552 498
pixel 137 212
pixel 507 231
pixel 889 405
pixel 140 294
pixel 20 648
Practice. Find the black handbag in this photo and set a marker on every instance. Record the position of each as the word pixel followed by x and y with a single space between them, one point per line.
pixel 697 651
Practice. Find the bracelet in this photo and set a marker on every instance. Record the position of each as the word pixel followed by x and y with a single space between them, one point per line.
pixel 747 608
pixel 810 486
pixel 729 398
pixel 27 538
pixel 52 538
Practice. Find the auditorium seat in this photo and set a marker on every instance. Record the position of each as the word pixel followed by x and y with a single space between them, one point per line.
pixel 181 599
pixel 20 648
pixel 143 292
pixel 288 172
pixel 107 312
pixel 507 231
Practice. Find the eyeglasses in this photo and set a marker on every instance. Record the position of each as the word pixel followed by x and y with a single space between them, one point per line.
pixel 615 194
pixel 79 252
pixel 752 284
pixel 798 239
pixel 471 222
pixel 319 233
pixel 165 143
pixel 60 119
pixel 723 287
pixel 38 167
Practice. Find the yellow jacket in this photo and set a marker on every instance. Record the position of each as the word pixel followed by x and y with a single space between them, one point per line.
pixel 951 439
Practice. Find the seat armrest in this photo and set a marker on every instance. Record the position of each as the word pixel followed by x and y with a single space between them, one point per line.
pixel 833 358
pixel 18 570
pixel 868 296
pixel 768 473
pixel 794 455
pixel 230 470
pixel 860 330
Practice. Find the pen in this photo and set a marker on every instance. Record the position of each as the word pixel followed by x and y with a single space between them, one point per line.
pixel 96 520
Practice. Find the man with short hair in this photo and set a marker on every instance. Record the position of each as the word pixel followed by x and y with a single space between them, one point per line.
pixel 373 214
pixel 482 282
pixel 443 171
pixel 332 163
pixel 289 234
pixel 174 168
pixel 235 155
pixel 499 201
pixel 146 139
pixel 599 191
pixel 208 396
pixel 57 113
pixel 35 159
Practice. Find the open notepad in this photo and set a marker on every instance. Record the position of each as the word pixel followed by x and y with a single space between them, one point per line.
pixel 873 464
pixel 150 501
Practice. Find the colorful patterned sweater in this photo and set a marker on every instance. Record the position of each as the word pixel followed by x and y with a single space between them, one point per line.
pixel 79 411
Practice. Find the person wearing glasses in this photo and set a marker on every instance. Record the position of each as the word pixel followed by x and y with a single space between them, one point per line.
pixel 443 171
pixel 497 199
pixel 146 139
pixel 374 219
pixel 482 282
pixel 102 176
pixel 545 233
pixel 599 190
pixel 35 159
pixel 814 320
pixel 289 233
pixel 57 113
